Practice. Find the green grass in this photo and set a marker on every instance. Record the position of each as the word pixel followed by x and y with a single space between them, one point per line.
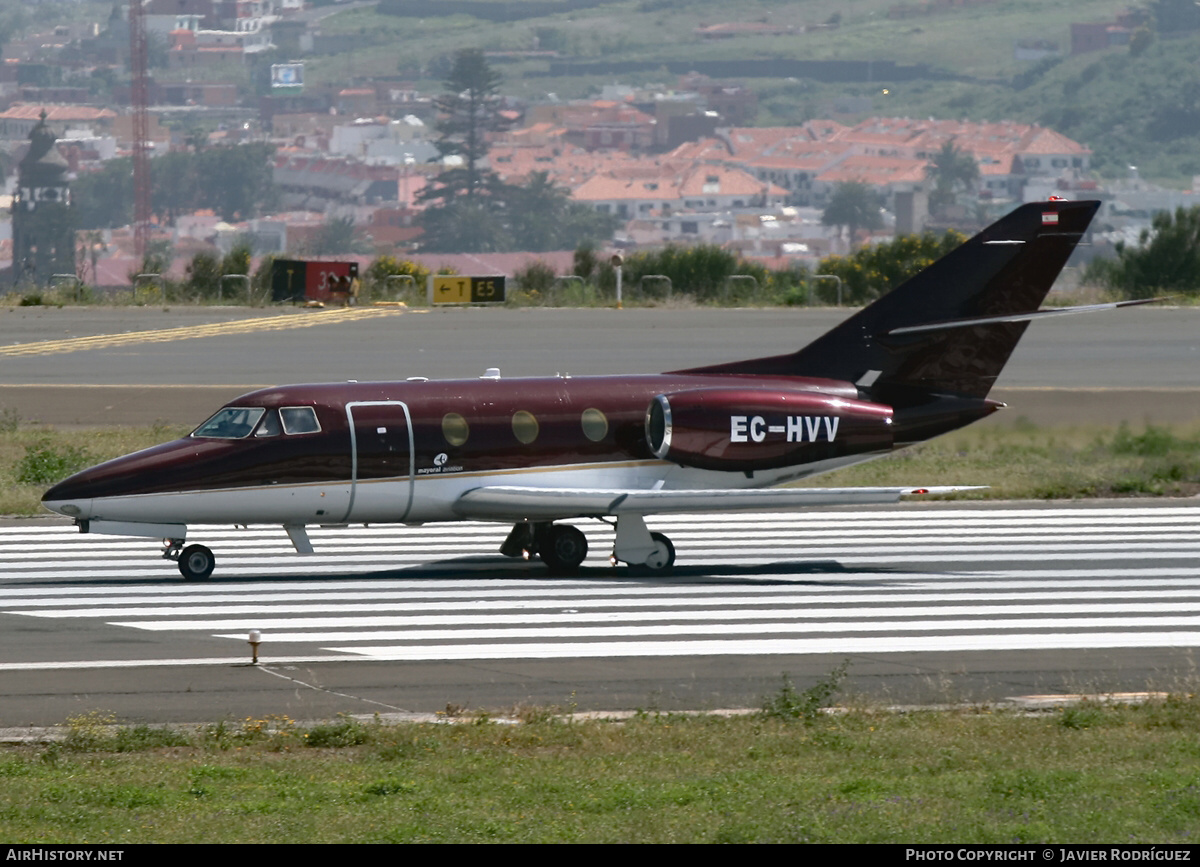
pixel 1024 461
pixel 1088 773
pixel 33 458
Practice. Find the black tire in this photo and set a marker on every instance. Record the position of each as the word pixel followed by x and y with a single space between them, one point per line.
pixel 661 562
pixel 562 548
pixel 196 563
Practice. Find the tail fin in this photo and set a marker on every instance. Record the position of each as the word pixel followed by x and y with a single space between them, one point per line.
pixel 950 329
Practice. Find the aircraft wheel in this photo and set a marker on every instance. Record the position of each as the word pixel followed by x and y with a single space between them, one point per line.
pixel 660 562
pixel 196 563
pixel 663 557
pixel 562 548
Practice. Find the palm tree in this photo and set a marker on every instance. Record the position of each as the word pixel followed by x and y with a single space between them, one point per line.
pixel 853 205
pixel 950 170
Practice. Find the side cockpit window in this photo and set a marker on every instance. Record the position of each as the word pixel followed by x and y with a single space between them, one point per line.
pixel 230 423
pixel 269 426
pixel 299 420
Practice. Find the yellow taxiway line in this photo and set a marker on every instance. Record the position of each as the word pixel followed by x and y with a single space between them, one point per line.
pixel 190 332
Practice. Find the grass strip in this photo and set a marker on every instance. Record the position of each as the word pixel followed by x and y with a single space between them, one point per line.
pixel 1090 772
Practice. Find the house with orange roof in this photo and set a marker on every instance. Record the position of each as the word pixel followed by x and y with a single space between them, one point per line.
pixel 699 189
pixel 599 124
pixel 629 197
pixel 18 120
pixel 885 174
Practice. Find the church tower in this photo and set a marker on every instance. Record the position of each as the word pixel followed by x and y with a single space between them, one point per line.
pixel 42 221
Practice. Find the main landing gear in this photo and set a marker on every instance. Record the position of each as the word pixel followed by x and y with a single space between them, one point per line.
pixel 195 561
pixel 563 547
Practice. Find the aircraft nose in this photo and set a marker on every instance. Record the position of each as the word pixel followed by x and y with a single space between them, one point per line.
pixel 67 497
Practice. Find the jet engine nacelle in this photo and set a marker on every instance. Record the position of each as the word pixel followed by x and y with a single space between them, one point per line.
pixel 742 429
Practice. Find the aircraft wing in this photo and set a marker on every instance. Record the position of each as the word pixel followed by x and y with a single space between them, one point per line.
pixel 514 503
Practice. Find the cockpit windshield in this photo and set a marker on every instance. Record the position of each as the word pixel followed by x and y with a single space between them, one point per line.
pixel 230 423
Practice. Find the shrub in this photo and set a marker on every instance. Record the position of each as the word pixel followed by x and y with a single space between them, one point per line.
pixel 788 704
pixel 44 464
pixel 536 276
pixel 204 275
pixel 874 271
pixel 378 272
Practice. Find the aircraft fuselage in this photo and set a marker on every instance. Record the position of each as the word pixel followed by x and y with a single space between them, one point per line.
pixel 405 451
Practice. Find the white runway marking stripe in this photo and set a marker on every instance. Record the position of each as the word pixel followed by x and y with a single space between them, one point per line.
pixel 762 647
pixel 758 628
pixel 874 581
pixel 611 595
pixel 579 604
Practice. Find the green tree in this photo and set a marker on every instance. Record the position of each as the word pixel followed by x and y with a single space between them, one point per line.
pixel 467 112
pixel 468 206
pixel 585 261
pixel 104 199
pixel 542 217
pixel 951 170
pixel 175 187
pixel 335 236
pixel 876 270
pixel 464 226
pixel 1140 40
pixel 582 224
pixel 853 205
pixel 1175 16
pixel 237 260
pixel 203 275
pixel 236 181
pixel 1166 258
pixel 536 210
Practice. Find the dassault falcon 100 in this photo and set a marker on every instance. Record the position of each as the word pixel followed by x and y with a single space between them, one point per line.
pixel 916 363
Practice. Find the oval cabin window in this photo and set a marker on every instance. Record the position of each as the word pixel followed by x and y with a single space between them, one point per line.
pixel 595 425
pixel 525 426
pixel 455 429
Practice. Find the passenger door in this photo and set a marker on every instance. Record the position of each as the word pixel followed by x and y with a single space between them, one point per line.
pixel 382 461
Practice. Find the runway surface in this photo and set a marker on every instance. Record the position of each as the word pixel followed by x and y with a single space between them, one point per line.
pixel 930 603
pixel 142 365
pixel 1024 599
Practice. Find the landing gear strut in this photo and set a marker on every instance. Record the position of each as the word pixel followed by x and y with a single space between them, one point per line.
pixel 646 553
pixel 195 561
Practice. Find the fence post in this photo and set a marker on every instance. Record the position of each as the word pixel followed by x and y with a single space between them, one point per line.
pixel 387 282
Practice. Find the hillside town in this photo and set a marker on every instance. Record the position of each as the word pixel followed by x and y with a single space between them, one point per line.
pixel 678 162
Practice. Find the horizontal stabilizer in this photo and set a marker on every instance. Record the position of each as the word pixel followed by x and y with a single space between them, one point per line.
pixel 513 503
pixel 1018 317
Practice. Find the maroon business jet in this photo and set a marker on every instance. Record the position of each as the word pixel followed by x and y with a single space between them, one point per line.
pixel 915 364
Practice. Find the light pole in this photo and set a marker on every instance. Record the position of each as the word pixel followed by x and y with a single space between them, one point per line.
pixel 617 261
